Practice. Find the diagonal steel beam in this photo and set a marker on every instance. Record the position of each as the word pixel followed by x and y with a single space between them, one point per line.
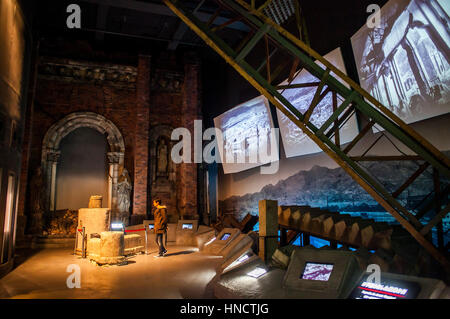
pixel 411 179
pixel 435 220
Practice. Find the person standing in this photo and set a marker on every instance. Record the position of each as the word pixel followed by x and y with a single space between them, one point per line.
pixel 160 226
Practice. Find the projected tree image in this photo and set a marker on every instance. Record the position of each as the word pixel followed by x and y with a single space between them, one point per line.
pixel 404 62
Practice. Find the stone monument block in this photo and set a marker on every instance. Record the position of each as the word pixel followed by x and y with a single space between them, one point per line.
pixel 111 244
pixel 94 220
pixel 268 218
pixel 95 201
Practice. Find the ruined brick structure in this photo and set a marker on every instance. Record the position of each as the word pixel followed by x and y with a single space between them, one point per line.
pixel 144 102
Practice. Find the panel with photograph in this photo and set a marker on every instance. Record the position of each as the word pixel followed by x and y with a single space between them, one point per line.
pixel 296 142
pixel 404 62
pixel 246 134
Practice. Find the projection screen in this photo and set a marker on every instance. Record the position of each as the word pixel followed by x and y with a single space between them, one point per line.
pixel 246 136
pixel 404 62
pixel 296 142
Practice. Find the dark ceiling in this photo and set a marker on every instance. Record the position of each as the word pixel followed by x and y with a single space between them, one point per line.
pixel 149 25
pixel 116 30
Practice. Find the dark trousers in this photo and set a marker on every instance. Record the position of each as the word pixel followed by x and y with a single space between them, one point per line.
pixel 160 243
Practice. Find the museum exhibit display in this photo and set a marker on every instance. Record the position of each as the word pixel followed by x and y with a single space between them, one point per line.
pixel 263 151
pixel 186 230
pixel 242 259
pixel 221 241
pixel 328 274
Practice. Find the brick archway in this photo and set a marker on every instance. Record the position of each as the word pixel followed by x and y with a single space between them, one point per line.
pixel 59 130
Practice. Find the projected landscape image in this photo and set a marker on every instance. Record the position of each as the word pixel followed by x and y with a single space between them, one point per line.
pixel 404 62
pixel 296 142
pixel 246 133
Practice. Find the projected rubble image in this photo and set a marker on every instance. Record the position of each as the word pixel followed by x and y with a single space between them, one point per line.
pixel 315 271
pixel 404 63
pixel 246 133
pixel 296 142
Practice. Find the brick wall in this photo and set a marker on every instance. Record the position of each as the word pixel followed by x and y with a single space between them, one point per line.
pixel 134 108
pixel 190 111
pixel 141 136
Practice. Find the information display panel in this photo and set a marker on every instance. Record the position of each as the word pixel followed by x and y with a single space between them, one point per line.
pixel 386 289
pixel 397 286
pixel 225 236
pixel 222 240
pixel 320 273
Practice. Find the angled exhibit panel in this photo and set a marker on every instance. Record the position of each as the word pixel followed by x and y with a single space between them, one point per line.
pixel 239 260
pixel 186 230
pixel 322 273
pixel 221 241
pixel 252 280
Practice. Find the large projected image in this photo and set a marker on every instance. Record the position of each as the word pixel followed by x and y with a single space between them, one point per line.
pixel 246 133
pixel 404 62
pixel 296 142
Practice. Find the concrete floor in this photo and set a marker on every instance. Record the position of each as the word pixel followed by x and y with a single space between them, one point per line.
pixel 183 273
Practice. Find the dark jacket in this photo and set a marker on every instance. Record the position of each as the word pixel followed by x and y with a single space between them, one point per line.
pixel 160 220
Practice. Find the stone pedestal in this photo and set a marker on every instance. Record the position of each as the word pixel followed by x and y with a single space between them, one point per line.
pixel 268 228
pixel 111 248
pixel 95 201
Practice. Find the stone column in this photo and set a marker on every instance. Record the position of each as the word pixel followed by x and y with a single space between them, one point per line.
pixel 190 111
pixel 115 160
pixel 141 136
pixel 268 228
pixel 52 164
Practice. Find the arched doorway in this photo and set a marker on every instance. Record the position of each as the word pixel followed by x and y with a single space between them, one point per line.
pixel 82 169
pixel 51 153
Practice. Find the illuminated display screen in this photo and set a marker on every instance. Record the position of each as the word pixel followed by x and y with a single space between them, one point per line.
pixel 404 62
pixel 238 261
pixel 257 272
pixel 225 236
pixel 297 143
pixel 387 289
pixel 186 226
pixel 243 258
pixel 316 271
pixel 151 226
pixel 116 226
pixel 246 142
